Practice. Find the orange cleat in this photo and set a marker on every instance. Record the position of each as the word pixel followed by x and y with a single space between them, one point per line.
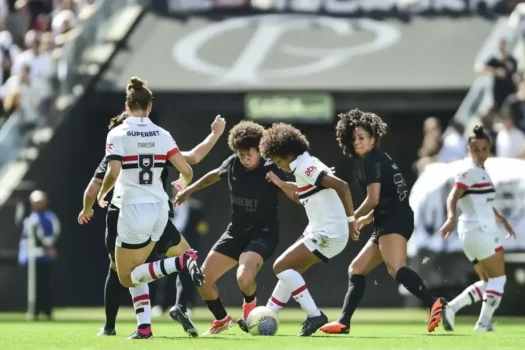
pixel 435 313
pixel 247 308
pixel 335 328
pixel 219 326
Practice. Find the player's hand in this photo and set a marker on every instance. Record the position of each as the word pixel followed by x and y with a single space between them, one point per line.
pixel 271 177
pixel 101 202
pixel 85 216
pixel 509 229
pixel 363 221
pixel 181 197
pixel 180 184
pixel 332 169
pixel 447 228
pixel 354 231
pixel 218 125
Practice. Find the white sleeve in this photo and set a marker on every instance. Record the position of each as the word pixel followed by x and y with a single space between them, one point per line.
pixel 464 180
pixel 172 145
pixel 311 173
pixel 114 147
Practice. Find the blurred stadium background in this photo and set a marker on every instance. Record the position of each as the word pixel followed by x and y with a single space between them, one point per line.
pixel 66 62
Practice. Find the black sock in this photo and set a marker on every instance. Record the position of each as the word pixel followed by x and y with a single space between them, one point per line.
pixel 217 309
pixel 185 291
pixel 249 298
pixel 112 290
pixel 356 289
pixel 415 285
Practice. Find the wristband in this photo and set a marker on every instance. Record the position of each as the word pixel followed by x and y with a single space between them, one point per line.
pixel 351 218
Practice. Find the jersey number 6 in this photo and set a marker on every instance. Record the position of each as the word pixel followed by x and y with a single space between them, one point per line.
pixel 145 169
pixel 401 186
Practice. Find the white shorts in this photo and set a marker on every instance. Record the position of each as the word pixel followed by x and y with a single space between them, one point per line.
pixel 326 244
pixel 479 244
pixel 138 224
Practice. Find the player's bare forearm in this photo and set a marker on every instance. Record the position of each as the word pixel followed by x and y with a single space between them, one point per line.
pixel 197 154
pixel 342 189
pixel 205 181
pixel 499 218
pixel 107 185
pixel 365 208
pixel 346 198
pixel 290 190
pixel 452 201
pixel 91 192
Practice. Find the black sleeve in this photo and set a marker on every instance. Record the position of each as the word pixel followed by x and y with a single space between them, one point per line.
pixel 101 169
pixel 492 62
pixel 281 174
pixel 226 166
pixel 372 170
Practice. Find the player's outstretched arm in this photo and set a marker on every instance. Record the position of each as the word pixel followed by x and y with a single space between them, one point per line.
pixel 342 189
pixel 502 220
pixel 114 168
pixel 197 154
pixel 373 192
pixel 205 181
pixel 90 196
pixel 288 188
pixel 452 202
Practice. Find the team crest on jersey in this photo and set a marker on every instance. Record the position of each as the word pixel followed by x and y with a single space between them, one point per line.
pixel 109 146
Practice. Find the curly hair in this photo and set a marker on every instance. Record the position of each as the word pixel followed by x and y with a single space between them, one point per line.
pixel 283 140
pixel 117 120
pixel 245 135
pixel 353 119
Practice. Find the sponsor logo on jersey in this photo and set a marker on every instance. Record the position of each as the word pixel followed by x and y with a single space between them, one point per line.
pixel 143 133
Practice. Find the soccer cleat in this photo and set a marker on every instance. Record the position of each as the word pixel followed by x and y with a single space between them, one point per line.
pixel 183 318
pixel 141 334
pixel 312 324
pixel 190 262
pixel 106 332
pixel 219 326
pixel 243 325
pixel 448 319
pixel 435 313
pixel 247 308
pixel 480 327
pixel 335 328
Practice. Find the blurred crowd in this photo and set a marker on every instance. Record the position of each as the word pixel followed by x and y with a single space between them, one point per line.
pixel 32 36
pixel 504 122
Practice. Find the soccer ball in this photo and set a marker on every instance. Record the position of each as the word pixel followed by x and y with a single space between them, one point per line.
pixel 263 321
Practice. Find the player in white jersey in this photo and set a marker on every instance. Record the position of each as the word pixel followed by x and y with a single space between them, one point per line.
pixel 137 151
pixel 328 204
pixel 478 230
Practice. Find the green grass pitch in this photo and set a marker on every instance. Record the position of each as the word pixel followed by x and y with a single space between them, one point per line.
pixel 371 329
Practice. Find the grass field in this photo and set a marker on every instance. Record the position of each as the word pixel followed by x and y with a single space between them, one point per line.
pixel 372 329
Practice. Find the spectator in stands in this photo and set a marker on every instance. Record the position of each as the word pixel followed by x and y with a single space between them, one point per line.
pixel 514 106
pixel 510 142
pixel 41 64
pixel 454 143
pixel 428 153
pixel 8 53
pixel 44 227
pixel 488 121
pixel 502 67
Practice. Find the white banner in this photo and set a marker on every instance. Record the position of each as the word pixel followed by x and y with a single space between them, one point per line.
pixel 429 194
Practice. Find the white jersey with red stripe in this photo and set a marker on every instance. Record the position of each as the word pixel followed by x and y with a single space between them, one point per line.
pixel 476 204
pixel 143 147
pixel 323 206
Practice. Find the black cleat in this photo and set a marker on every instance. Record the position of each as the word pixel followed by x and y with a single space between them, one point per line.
pixel 106 332
pixel 242 325
pixel 312 324
pixel 180 316
pixel 141 334
pixel 190 261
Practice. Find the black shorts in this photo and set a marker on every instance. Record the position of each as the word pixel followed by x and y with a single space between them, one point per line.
pixel 393 221
pixel 170 237
pixel 262 241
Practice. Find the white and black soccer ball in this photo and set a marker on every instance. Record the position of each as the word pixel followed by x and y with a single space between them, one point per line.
pixel 263 321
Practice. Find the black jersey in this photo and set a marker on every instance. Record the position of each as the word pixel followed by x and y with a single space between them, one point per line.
pixel 103 167
pixel 254 200
pixel 378 167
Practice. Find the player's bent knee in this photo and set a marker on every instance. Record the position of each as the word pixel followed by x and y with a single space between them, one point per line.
pixel 356 268
pixel 126 281
pixel 246 277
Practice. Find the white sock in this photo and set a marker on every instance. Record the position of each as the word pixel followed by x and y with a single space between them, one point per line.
pixel 149 272
pixel 141 304
pixel 472 294
pixel 491 299
pixel 279 298
pixel 295 282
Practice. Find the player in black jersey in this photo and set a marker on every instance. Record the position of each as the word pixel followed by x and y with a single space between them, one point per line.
pixel 253 234
pixel 386 203
pixel 171 243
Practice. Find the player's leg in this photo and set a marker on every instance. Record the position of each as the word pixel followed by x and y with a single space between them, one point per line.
pixel 393 248
pixel 368 259
pixel 494 267
pixel 472 294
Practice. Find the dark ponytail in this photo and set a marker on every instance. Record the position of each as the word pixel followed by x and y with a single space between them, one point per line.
pixel 478 134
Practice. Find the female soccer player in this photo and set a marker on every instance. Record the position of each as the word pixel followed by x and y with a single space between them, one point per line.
pixel 478 230
pixel 171 243
pixel 328 204
pixel 253 234
pixel 137 151
pixel 358 134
